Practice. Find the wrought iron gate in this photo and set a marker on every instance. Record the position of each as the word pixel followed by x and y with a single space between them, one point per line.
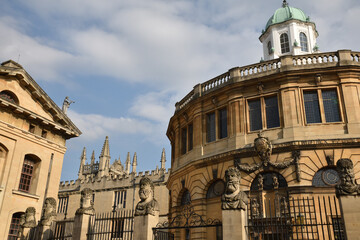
pixel 286 218
pixel 186 220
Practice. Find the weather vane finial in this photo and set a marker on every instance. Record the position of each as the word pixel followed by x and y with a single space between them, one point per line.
pixel 284 3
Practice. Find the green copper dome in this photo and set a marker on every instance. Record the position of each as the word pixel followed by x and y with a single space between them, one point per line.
pixel 286 13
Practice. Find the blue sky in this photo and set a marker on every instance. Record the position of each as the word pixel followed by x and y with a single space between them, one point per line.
pixel 126 62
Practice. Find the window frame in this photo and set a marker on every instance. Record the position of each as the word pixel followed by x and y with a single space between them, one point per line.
pixel 321 105
pixel 284 43
pixel 304 44
pixel 33 177
pixel 119 199
pixel 264 121
pixel 187 139
pixel 217 127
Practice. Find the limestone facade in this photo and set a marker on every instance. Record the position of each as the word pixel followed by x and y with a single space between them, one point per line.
pixel 33 133
pixel 115 186
pixel 215 125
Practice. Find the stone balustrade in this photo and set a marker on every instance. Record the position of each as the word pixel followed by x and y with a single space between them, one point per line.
pixel 285 63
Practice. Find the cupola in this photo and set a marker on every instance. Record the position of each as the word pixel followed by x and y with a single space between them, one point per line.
pixel 289 31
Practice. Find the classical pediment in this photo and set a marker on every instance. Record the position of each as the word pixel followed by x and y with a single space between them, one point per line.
pixel 23 96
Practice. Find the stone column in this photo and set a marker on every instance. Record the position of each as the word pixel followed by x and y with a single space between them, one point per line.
pixel 234 207
pixel 348 192
pixel 83 214
pixel 146 211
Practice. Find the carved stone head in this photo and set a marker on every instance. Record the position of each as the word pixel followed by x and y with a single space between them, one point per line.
pixel 49 211
pixel 146 191
pixel 86 198
pixel 29 220
pixel 232 177
pixel 233 198
pixel 348 185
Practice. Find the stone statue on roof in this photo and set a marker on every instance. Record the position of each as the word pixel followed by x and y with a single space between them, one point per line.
pixel 66 104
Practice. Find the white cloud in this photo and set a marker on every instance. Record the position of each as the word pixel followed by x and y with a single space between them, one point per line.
pixel 95 126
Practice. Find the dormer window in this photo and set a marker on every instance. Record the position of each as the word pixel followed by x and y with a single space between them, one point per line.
pixel 303 42
pixel 284 42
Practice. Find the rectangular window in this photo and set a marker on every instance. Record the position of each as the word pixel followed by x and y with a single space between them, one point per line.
pixel 120 199
pixel 183 140
pixel 272 112
pixel 312 109
pixel 210 127
pixel 117 229
pixel 223 123
pixel 255 117
pixel 190 137
pixel 26 175
pixel 63 204
pixel 328 111
pixel 331 105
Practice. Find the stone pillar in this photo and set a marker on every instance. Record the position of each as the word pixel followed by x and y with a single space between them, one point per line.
pixel 83 214
pixel 143 226
pixel 81 226
pixel 350 209
pixel 348 192
pixel 233 223
pixel 234 207
pixel 146 211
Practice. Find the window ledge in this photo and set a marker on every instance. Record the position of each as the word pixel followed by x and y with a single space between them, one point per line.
pixel 29 195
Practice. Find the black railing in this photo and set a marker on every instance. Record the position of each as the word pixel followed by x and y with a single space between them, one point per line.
pixel 295 218
pixel 62 229
pixel 111 225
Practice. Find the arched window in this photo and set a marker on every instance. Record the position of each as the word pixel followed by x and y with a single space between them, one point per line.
pixel 9 96
pixel 216 189
pixel 185 198
pixel 284 43
pixel 269 180
pixel 29 174
pixel 14 226
pixel 269 47
pixel 303 42
pixel 326 177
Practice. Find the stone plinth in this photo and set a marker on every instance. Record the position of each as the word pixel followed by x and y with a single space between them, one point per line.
pixel 81 226
pixel 234 222
pixel 350 207
pixel 143 226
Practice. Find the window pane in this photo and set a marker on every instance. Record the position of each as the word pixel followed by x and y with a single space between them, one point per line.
pixel 223 123
pixel 331 105
pixel 312 109
pixel 303 42
pixel 272 112
pixel 255 115
pixel 183 140
pixel 269 46
pixel 284 42
pixel 26 175
pixel 190 137
pixel 210 125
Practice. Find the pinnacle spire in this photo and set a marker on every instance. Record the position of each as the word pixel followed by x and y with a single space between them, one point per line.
pixel 105 152
pixel 134 163
pixel 93 158
pixel 127 163
pixel 163 159
pixel 82 163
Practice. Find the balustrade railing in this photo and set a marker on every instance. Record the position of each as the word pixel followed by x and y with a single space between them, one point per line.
pixel 317 60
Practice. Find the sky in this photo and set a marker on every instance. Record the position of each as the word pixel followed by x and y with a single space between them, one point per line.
pixel 126 63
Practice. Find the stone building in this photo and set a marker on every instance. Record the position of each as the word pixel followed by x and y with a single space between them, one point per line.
pixel 33 133
pixel 283 122
pixel 115 185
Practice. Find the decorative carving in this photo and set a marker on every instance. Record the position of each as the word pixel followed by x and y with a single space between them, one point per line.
pixel 260 87
pixel 275 181
pixel 147 204
pixel 86 203
pixel 233 197
pixel 117 168
pixel 348 185
pixel 255 208
pixel 48 212
pixel 263 148
pixel 28 219
pixel 66 104
pixel 261 182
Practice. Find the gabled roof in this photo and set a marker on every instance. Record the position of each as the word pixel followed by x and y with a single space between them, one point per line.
pixel 60 121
